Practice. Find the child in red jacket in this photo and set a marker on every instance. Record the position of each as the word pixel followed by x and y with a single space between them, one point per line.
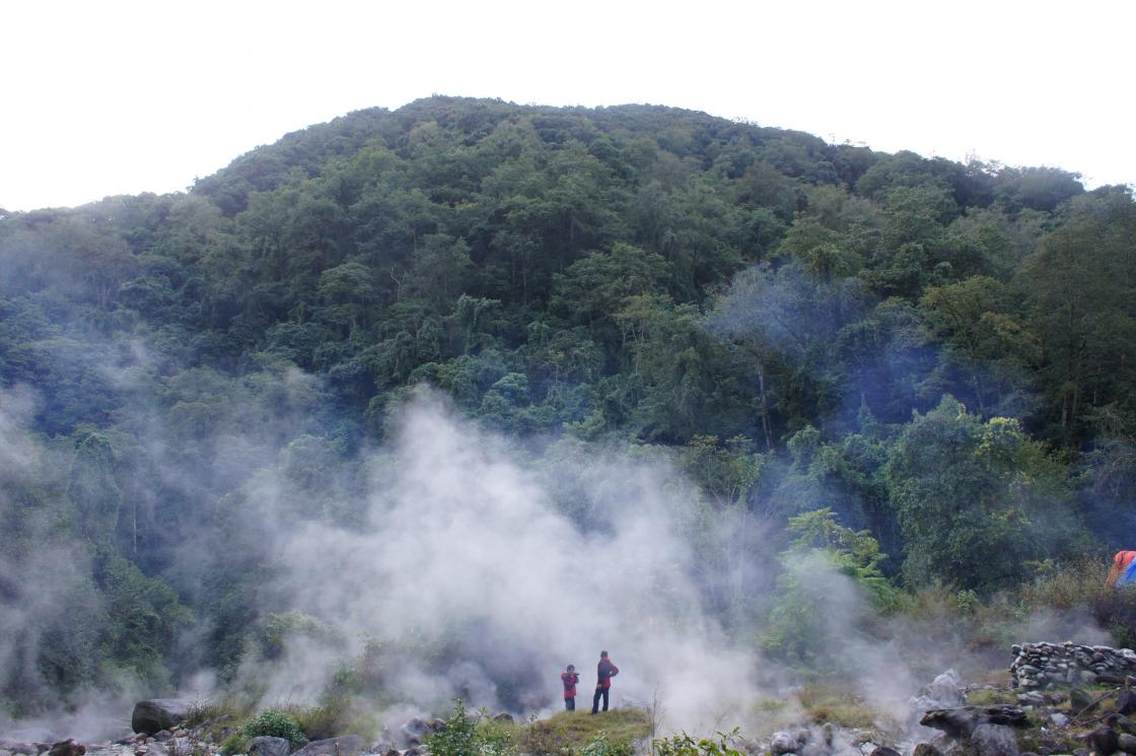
pixel 570 678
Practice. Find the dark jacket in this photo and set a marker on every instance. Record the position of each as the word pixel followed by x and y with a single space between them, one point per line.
pixel 605 670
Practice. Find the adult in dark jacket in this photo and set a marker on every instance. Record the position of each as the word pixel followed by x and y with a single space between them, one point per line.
pixel 604 672
pixel 569 679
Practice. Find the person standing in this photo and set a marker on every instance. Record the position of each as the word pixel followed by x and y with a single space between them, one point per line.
pixel 604 672
pixel 570 678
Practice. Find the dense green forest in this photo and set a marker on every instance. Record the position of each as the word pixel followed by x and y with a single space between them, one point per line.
pixel 925 369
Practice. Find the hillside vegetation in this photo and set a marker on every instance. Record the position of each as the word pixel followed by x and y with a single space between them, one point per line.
pixel 925 371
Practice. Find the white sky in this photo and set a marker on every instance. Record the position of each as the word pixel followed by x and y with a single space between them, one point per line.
pixel 101 98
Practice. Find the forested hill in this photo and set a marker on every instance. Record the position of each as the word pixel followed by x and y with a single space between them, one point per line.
pixel 942 354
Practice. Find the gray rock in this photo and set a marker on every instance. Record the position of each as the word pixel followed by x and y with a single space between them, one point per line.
pixel 994 740
pixel 782 743
pixel 1079 700
pixel 413 730
pixel 1126 742
pixel 885 751
pixel 345 745
pixel 503 717
pixel 946 690
pixel 67 748
pixel 1103 740
pixel 926 749
pixel 163 735
pixel 1058 719
pixel 158 714
pixel 269 746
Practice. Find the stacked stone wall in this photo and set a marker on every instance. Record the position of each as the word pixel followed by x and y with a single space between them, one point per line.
pixel 1040 665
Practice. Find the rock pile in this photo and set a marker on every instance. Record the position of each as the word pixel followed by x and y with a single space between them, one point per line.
pixel 1039 665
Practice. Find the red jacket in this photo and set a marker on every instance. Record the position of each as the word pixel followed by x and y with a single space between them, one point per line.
pixel 569 679
pixel 605 670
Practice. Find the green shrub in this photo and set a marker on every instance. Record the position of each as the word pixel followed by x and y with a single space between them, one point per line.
pixel 600 746
pixel 276 724
pixel 684 745
pixel 462 736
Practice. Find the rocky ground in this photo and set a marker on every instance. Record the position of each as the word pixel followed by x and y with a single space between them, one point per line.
pixel 1060 699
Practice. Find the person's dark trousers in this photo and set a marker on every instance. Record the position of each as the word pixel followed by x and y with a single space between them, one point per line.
pixel 569 704
pixel 596 699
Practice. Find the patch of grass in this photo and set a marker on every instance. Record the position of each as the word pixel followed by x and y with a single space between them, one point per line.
pixel 333 718
pixel 991 697
pixel 219 718
pixel 570 732
pixel 771 705
pixel 839 707
pixel 236 743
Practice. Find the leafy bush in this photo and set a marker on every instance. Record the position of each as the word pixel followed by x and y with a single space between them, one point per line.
pixel 276 724
pixel 462 736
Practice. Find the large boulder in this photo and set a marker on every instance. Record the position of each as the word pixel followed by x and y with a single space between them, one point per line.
pixel 961 721
pixel 994 740
pixel 266 745
pixel 156 714
pixel 345 745
pixel 946 690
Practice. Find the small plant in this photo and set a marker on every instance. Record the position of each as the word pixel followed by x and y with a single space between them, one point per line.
pixel 235 743
pixel 457 737
pixel 276 724
pixel 684 745
pixel 600 746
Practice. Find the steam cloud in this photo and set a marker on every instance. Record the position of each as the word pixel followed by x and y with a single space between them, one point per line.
pixel 467 546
